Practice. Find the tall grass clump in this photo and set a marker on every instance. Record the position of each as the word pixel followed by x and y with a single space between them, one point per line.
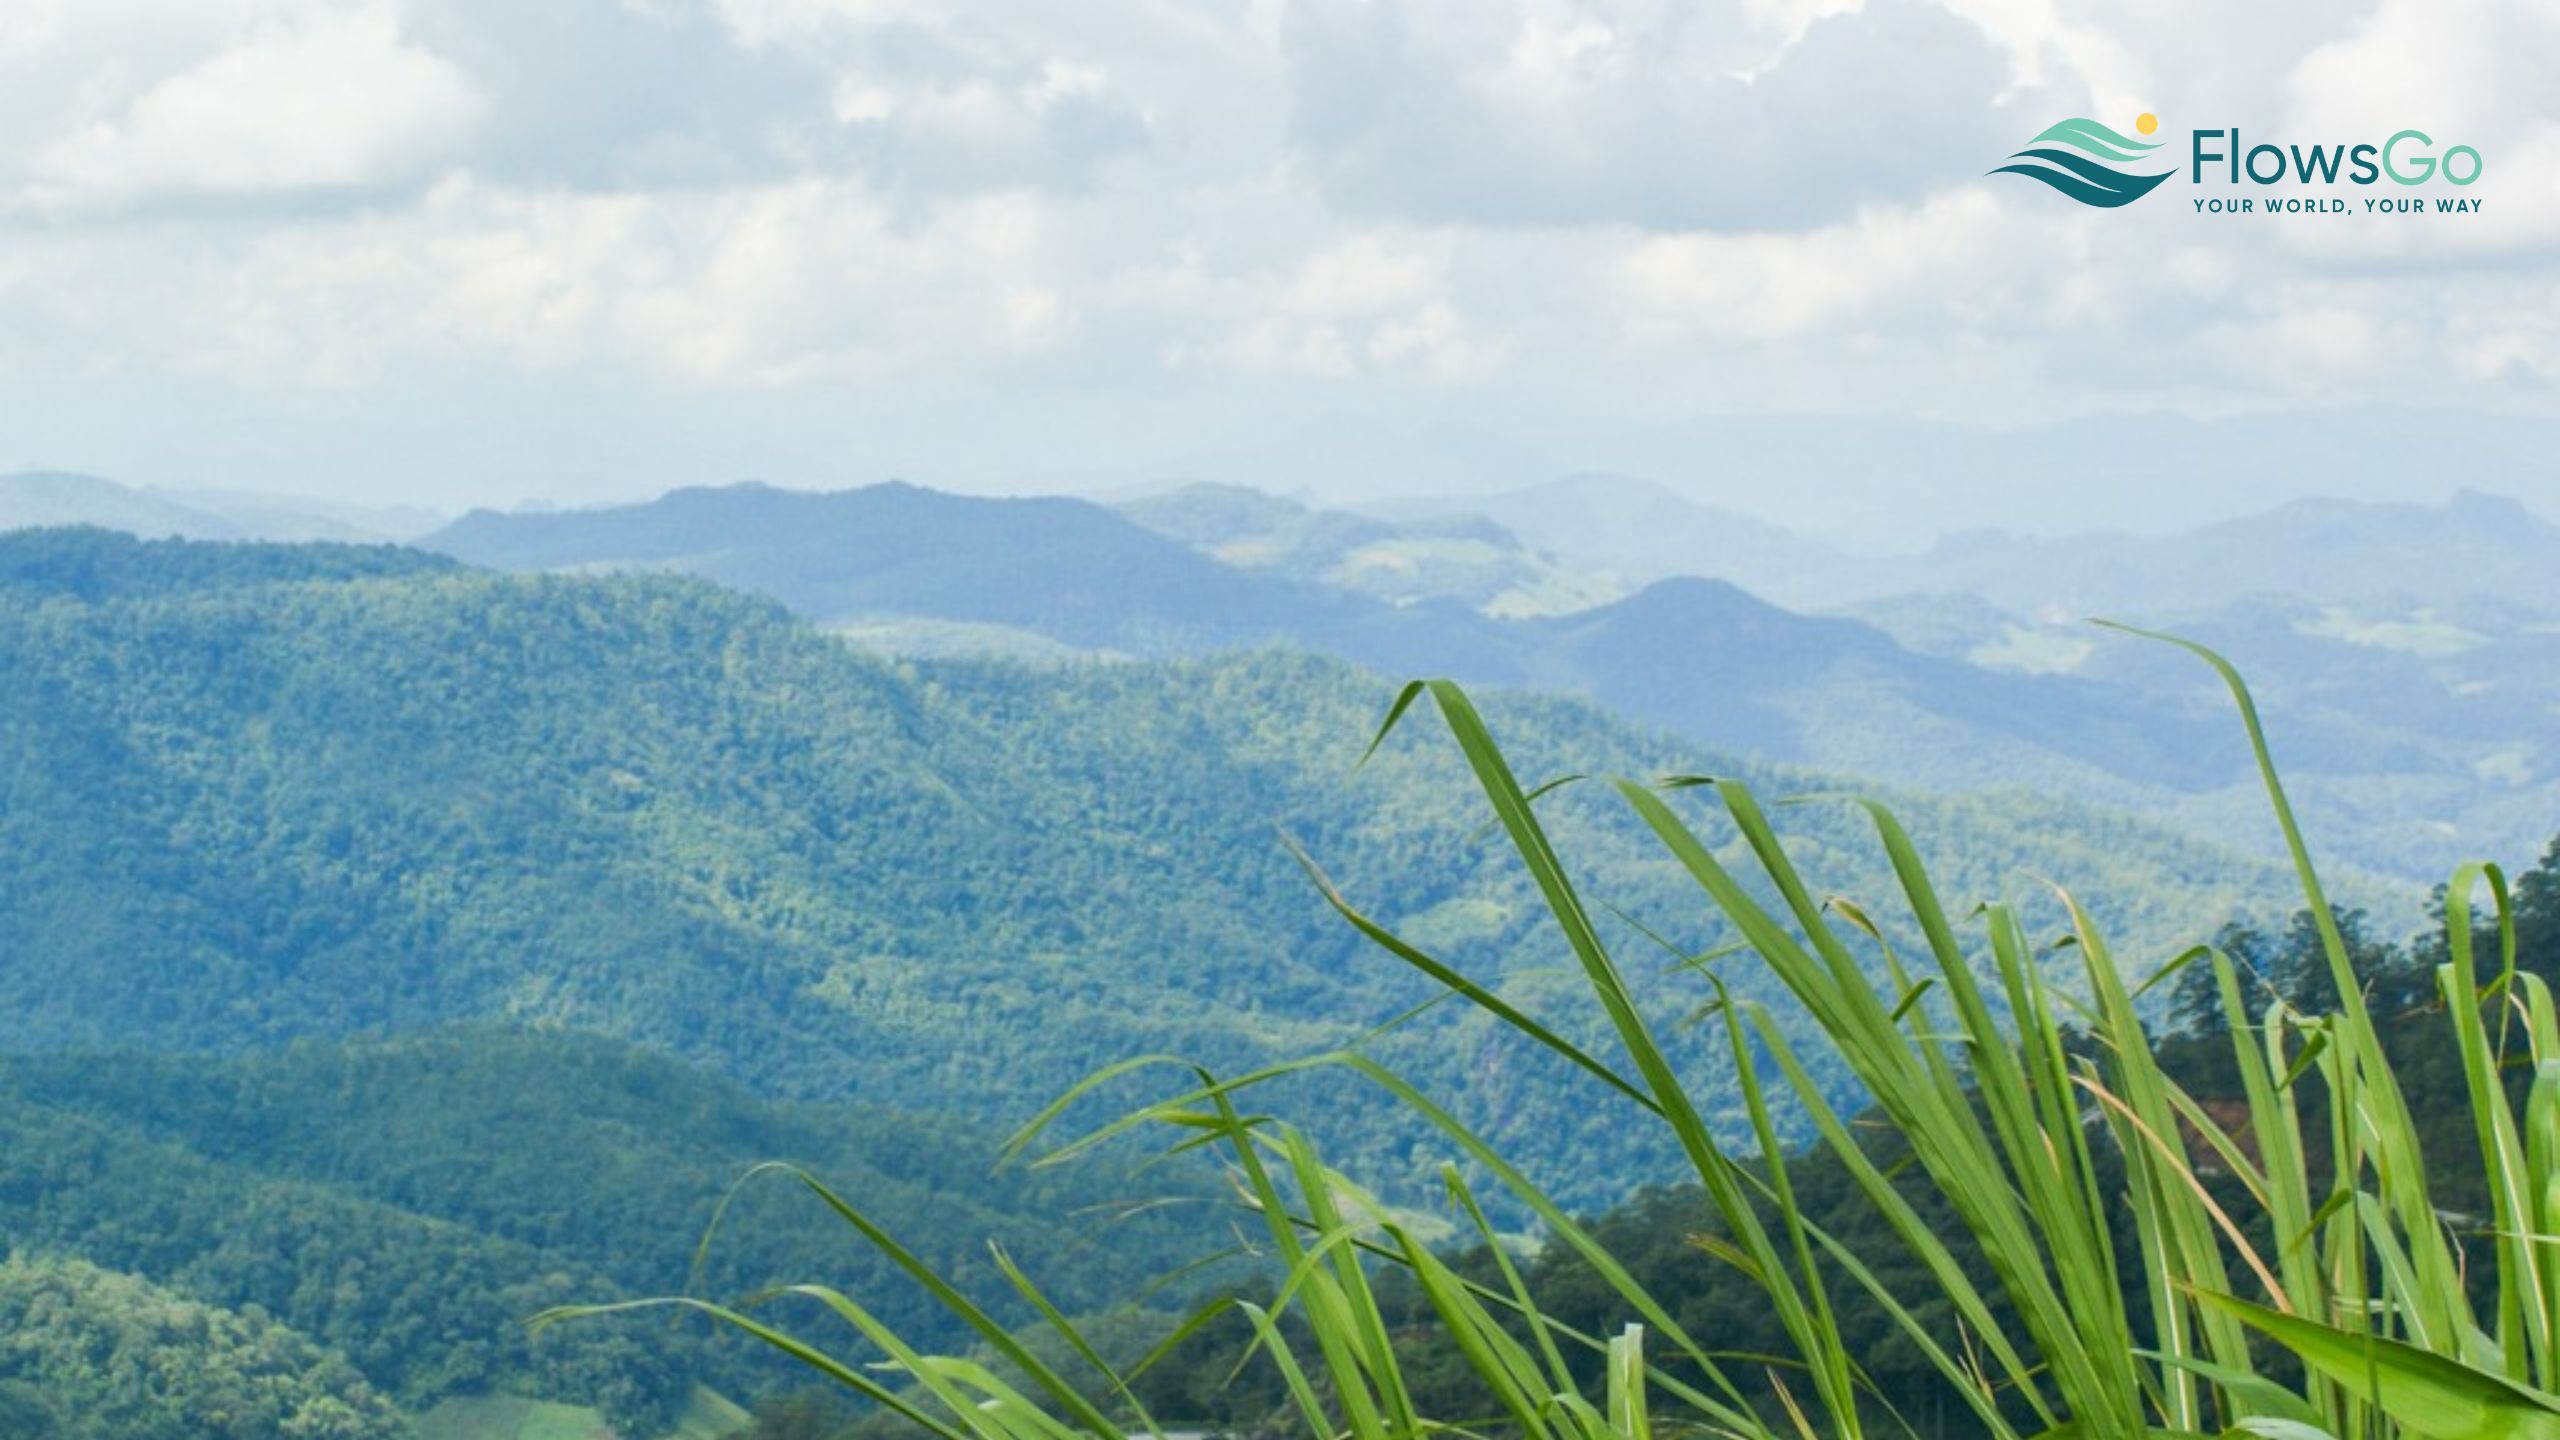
pixel 2301 1282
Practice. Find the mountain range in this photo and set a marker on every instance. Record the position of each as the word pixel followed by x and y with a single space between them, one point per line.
pixel 1625 532
pixel 1065 570
pixel 1469 557
pixel 2381 636
pixel 1885 484
pixel 346 790
pixel 2473 548
pixel 394 941
pixel 389 948
pixel 1942 691
pixel 34 498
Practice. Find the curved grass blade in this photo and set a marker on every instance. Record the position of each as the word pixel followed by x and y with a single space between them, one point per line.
pixel 2434 1397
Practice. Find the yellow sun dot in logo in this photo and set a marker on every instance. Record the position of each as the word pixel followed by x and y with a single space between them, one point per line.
pixel 2147 123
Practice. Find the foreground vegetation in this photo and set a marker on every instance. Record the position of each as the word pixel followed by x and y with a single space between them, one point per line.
pixel 345 792
pixel 2086 1248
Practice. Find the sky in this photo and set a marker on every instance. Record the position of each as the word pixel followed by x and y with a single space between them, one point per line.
pixel 483 252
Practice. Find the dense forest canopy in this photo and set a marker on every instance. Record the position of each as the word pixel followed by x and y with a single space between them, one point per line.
pixel 394 949
pixel 651 808
pixel 408 1203
pixel 89 1354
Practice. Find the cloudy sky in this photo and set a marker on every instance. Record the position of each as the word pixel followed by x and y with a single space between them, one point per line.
pixel 481 251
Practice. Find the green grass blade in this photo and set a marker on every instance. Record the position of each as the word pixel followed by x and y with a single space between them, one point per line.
pixel 2524 1325
pixel 783 1341
pixel 1457 982
pixel 2433 1396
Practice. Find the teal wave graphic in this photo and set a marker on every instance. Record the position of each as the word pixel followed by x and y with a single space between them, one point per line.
pixel 2085 171
pixel 2096 139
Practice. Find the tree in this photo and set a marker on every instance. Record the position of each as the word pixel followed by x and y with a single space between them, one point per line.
pixel 2301 969
pixel 27 1414
pixel 2195 1000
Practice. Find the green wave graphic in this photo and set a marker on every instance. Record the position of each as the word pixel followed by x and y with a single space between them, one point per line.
pixel 2079 156
pixel 2082 179
pixel 2092 138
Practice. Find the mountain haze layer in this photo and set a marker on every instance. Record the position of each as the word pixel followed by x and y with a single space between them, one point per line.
pixel 2474 547
pixel 1464 557
pixel 1945 691
pixel 35 498
pixel 1638 531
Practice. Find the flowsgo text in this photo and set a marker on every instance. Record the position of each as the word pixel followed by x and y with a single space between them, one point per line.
pixel 2408 158
pixel 2091 162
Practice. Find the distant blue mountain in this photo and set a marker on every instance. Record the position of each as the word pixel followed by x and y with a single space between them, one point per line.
pixel 35 499
pixel 1700 658
pixel 1067 570
pixel 1455 556
pixel 2474 546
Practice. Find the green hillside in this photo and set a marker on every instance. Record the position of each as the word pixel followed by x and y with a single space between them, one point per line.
pixel 1938 691
pixel 392 949
pixel 89 1354
pixel 243 813
pixel 409 1203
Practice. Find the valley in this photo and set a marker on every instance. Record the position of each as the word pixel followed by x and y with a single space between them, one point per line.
pixel 599 856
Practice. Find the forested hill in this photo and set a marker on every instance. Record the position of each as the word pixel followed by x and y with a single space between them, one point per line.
pixel 257 799
pixel 408 1203
pixel 85 563
pixel 1961 695
pixel 91 1354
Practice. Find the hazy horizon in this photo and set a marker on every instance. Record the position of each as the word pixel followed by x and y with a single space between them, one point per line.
pixel 594 252
pixel 2146 474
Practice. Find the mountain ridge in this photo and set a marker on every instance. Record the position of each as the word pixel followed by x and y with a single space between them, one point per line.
pixel 31 499
pixel 650 807
pixel 1720 665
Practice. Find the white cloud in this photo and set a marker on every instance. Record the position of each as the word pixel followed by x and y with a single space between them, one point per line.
pixel 783 284
pixel 1272 346
pixel 778 285
pixel 1436 342
pixel 1049 124
pixel 321 100
pixel 2299 346
pixel 2463 72
pixel 1367 273
pixel 1960 258
pixel 763 23
pixel 1377 303
pixel 1611 206
pixel 2460 68
pixel 1669 114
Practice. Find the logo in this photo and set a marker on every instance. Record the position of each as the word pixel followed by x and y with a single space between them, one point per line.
pixel 2079 158
pixel 2095 165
